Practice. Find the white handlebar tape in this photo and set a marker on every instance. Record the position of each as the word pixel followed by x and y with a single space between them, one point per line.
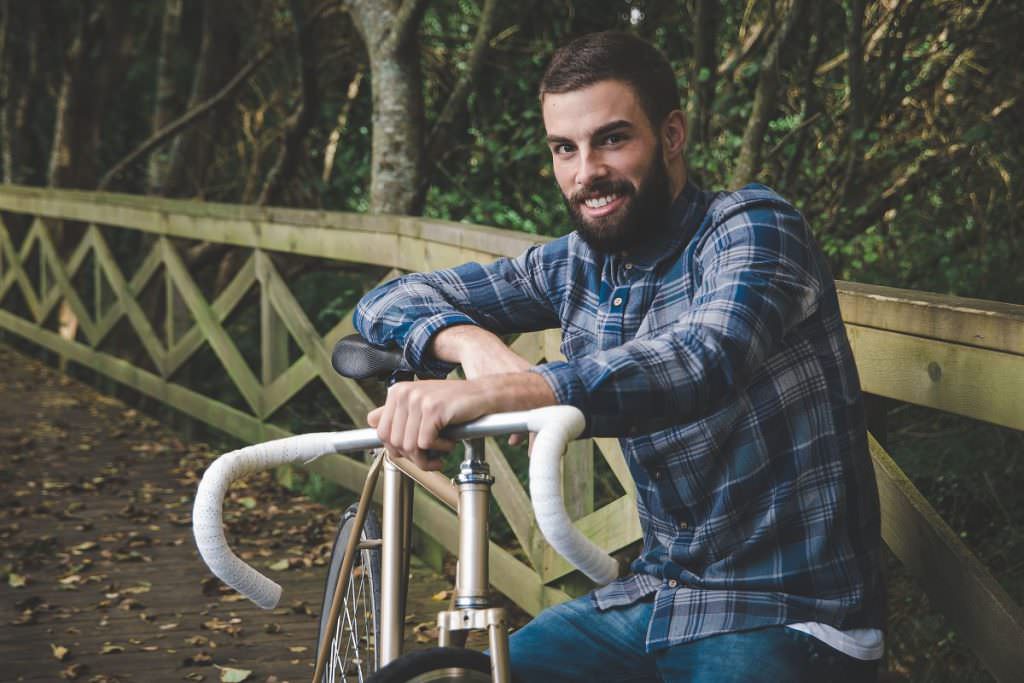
pixel 207 522
pixel 555 427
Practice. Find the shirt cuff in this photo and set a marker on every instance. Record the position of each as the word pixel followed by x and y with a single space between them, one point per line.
pixel 418 339
pixel 566 384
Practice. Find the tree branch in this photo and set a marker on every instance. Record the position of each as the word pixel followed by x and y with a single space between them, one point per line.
pixel 193 115
pixel 765 99
pixel 407 20
pixel 441 133
pixel 186 119
pixel 855 70
pixel 705 54
pixel 170 30
pixel 301 121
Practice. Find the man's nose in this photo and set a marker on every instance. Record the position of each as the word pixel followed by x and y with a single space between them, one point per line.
pixel 591 167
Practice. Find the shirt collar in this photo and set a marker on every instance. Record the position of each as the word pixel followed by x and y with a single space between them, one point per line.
pixel 684 217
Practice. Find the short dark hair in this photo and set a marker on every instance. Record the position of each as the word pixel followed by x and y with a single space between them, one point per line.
pixel 615 56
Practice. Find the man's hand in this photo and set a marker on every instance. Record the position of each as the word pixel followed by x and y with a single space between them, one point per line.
pixel 410 421
pixel 480 353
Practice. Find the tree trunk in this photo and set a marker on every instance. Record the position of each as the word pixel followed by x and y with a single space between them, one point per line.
pixel 162 111
pixel 6 156
pixel 217 61
pixel 765 99
pixel 813 106
pixel 27 147
pixel 299 123
pixel 68 167
pixel 443 129
pixel 706 57
pixel 855 71
pixel 389 32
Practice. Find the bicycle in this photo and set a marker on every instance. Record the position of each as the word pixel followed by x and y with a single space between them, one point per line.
pixel 360 635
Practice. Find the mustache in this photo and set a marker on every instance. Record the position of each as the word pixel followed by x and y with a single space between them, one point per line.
pixel 600 188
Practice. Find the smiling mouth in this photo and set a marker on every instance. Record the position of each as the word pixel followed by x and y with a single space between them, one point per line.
pixel 602 204
pixel 599 202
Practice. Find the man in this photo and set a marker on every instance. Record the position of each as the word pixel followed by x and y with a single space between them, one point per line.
pixel 703 330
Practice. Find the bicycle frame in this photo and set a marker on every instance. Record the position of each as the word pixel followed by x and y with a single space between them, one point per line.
pixel 473 610
pixel 554 427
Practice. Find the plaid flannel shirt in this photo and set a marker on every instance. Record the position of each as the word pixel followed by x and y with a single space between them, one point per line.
pixel 718 357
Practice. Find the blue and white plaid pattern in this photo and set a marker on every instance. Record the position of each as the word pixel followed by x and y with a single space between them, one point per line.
pixel 718 357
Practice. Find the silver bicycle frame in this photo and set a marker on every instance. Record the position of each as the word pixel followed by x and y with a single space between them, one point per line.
pixel 553 425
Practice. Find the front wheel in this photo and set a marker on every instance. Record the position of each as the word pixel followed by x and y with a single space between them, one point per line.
pixel 353 645
pixel 437 665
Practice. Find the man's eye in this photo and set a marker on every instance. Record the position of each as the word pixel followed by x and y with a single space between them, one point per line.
pixel 563 148
pixel 614 139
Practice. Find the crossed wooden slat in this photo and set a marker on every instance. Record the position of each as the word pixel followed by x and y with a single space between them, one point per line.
pixel 264 398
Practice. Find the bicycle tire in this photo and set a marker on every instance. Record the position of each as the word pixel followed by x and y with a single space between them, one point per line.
pixel 437 665
pixel 354 658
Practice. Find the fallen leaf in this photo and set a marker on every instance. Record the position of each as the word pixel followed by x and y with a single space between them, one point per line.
pixel 60 653
pixel 195 676
pixel 168 627
pixel 138 589
pixel 441 595
pixel 279 566
pixel 230 675
pixel 298 648
pixel 72 672
pixel 19 581
pixel 248 502
pixel 111 649
pixel 201 658
pixel 425 632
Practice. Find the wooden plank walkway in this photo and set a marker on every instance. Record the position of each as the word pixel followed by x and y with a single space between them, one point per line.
pixel 101 579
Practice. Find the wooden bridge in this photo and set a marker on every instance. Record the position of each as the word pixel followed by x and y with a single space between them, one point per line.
pixel 120 264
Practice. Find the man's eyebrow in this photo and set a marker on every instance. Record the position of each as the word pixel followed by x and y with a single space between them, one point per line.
pixel 603 130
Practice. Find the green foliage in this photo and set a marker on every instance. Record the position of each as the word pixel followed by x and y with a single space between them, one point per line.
pixel 924 192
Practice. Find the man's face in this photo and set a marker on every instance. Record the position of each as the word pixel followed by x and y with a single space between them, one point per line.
pixel 608 163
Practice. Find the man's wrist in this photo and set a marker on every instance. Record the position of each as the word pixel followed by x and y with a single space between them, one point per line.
pixel 513 391
pixel 453 343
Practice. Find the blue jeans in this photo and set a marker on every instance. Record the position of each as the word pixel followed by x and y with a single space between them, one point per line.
pixel 576 642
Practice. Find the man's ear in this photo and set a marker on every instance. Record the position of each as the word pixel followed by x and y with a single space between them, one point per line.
pixel 673 134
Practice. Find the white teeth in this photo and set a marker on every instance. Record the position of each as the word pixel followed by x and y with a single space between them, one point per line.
pixel 598 202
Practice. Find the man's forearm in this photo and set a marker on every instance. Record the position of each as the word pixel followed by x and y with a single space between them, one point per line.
pixel 452 344
pixel 511 391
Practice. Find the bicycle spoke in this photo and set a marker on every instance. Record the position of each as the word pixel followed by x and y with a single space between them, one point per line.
pixel 352 648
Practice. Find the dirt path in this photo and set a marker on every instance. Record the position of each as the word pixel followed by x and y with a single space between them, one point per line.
pixel 101 580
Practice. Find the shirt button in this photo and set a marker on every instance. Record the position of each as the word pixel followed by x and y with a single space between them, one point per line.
pixel 617 301
pixel 684 525
pixel 657 474
pixel 628 266
pixel 672 583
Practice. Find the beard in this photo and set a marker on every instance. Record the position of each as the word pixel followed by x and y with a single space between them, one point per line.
pixel 639 220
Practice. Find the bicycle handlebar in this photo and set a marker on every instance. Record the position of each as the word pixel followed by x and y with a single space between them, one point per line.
pixel 554 426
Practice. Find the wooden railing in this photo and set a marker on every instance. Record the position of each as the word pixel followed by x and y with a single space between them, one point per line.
pixel 958 355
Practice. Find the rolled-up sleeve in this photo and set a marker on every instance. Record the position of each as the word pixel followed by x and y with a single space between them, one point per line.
pixel 506 296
